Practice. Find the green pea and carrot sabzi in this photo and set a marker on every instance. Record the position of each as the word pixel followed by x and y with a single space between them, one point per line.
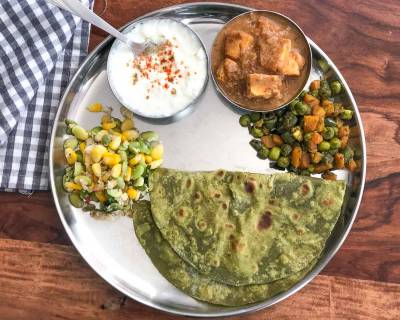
pixel 310 136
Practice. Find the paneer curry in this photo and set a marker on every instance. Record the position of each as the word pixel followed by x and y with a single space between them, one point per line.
pixel 260 61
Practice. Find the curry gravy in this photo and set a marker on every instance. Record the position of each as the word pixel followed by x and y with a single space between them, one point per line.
pixel 239 70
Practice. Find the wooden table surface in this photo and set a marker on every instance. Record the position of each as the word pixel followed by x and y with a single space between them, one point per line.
pixel 43 277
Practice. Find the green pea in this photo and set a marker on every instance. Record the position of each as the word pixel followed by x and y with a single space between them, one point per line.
pixel 114 193
pixel 324 66
pixel 120 182
pixel 149 136
pixel 137 171
pixel 333 151
pixel 134 147
pixel 336 87
pixel 336 130
pixel 329 122
pixel 263 153
pixel 307 136
pixel 327 158
pixel 255 116
pixel 335 143
pixel 315 93
pixel 286 149
pixel 144 147
pixel 124 167
pixel 346 114
pixel 293 103
pixel 301 108
pixel 256 144
pixel 328 133
pixel 324 146
pixel 256 132
pixel 244 120
pixel 270 122
pixel 348 154
pixel 123 155
pixel 79 133
pixel 259 123
pixel 274 153
pixel 71 143
pixel 138 182
pixel 289 120
pixel 106 139
pixel 325 89
pixel 283 162
pixel 287 137
pixel 124 146
pixel 75 200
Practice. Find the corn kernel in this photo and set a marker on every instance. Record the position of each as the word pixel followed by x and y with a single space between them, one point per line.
pixel 70 186
pixel 127 124
pixel 135 160
pixel 116 171
pixel 115 142
pixel 82 147
pixel 128 174
pixel 101 196
pixel 95 107
pixel 157 152
pixel 156 163
pixel 108 125
pixel 130 134
pixel 97 152
pixel 111 159
pixel 133 194
pixel 106 118
pixel 148 159
pixel 70 155
pixel 96 168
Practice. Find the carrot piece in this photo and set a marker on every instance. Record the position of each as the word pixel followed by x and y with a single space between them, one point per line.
pixel 344 131
pixel 352 165
pixel 318 111
pixel 310 123
pixel 339 160
pixel 277 140
pixel 315 85
pixel 328 107
pixel 316 157
pixel 311 100
pixel 344 141
pixel 329 176
pixel 296 157
pixel 305 160
pixel 322 167
pixel 316 138
pixel 267 141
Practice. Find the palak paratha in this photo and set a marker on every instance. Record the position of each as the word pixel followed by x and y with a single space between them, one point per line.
pixel 242 228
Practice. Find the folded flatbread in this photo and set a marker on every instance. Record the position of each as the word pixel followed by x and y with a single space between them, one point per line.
pixel 242 228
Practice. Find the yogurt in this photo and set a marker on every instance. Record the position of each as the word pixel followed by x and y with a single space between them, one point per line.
pixel 163 82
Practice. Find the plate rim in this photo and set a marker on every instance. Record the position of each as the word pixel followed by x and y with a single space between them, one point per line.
pixel 104 274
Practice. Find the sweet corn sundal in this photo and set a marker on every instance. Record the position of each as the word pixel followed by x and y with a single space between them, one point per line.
pixel 108 166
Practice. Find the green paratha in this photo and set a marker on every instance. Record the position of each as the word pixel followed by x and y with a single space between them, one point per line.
pixel 188 279
pixel 243 228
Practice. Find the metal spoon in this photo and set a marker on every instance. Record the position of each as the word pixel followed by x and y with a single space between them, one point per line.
pixel 80 10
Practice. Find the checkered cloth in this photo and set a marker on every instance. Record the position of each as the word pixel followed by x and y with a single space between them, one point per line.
pixel 41 47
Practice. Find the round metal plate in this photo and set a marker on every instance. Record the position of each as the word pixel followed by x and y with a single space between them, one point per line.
pixel 208 138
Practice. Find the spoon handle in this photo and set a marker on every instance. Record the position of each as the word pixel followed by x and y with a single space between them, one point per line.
pixel 77 8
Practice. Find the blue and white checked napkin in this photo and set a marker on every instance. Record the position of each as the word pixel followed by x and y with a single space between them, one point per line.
pixel 41 47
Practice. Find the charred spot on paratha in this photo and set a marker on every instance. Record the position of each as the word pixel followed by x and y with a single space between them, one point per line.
pixel 250 186
pixel 265 221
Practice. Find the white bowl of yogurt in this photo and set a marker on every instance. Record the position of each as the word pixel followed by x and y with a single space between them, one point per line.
pixel 165 81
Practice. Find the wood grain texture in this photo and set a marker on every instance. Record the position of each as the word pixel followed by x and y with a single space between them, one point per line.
pixel 57 274
pixel 363 38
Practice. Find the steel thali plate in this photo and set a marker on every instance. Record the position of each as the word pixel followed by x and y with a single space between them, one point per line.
pixel 208 138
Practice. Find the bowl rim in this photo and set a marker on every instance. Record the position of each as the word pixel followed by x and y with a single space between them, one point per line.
pixel 307 69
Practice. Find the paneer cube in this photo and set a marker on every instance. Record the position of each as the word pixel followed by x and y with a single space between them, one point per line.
pixel 264 86
pixel 294 64
pixel 236 43
pixel 274 53
pixel 267 26
pixel 227 70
